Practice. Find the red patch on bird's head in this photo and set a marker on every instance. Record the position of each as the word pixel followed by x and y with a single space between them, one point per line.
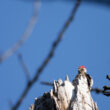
pixel 82 67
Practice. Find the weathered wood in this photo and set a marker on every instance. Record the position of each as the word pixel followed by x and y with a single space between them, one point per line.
pixel 67 96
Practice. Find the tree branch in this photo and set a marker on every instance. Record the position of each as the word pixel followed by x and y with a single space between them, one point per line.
pixel 49 57
pixel 26 35
pixel 23 65
pixel 105 91
pixel 101 91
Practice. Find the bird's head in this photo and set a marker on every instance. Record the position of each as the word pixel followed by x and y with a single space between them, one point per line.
pixel 82 69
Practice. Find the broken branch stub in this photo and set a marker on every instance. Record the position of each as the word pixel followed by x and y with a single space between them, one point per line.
pixel 67 95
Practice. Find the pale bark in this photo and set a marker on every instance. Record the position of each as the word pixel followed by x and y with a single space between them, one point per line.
pixel 67 96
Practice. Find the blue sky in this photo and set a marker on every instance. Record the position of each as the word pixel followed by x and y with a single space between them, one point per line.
pixel 86 42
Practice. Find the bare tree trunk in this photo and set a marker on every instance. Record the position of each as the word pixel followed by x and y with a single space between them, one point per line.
pixel 67 96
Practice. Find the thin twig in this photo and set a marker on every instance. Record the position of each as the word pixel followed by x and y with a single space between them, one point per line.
pixel 46 83
pixel 23 65
pixel 26 35
pixel 96 90
pixel 106 88
pixel 49 57
pixel 101 91
pixel 105 91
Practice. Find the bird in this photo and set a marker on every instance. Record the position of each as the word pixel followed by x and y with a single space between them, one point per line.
pixel 82 71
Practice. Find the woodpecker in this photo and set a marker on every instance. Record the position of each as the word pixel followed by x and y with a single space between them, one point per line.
pixel 83 71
